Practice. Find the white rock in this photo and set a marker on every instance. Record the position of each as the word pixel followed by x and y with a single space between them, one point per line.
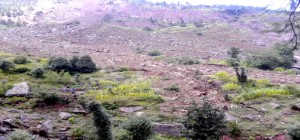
pixel 21 89
pixel 64 115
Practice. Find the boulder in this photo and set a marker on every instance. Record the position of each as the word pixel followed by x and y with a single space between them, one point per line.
pixel 47 126
pixel 230 117
pixel 131 109
pixel 4 130
pixel 173 129
pixel 64 115
pixel 21 89
pixel 275 105
pixel 296 107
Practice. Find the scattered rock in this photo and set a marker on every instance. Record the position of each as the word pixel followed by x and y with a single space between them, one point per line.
pixel 10 123
pixel 230 117
pixel 249 117
pixel 64 115
pixel 139 113
pixel 79 111
pixel 275 105
pixel 263 110
pixel 175 129
pixel 4 130
pixel 296 107
pixel 47 126
pixel 21 89
pixel 131 109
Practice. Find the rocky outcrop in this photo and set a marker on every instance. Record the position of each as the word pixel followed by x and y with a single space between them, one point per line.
pixel 21 89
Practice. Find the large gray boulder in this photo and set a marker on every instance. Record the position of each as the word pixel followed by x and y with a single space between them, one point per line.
pixel 21 89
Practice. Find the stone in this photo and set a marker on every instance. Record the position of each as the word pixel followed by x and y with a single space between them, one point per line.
pixel 275 105
pixel 296 107
pixel 4 130
pixel 230 117
pixel 169 129
pixel 47 126
pixel 263 110
pixel 131 109
pixel 79 111
pixel 10 123
pixel 21 89
pixel 141 113
pixel 249 117
pixel 64 115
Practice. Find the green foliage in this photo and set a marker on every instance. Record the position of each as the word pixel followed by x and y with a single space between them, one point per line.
pixel 21 70
pixel 154 53
pixel 139 128
pixel 294 132
pixel 20 135
pixel 262 83
pixel 205 122
pixel 231 87
pixel 222 76
pixel 84 64
pixel 259 93
pixel 281 55
pixel 37 73
pixel 58 78
pixel 71 120
pixel 59 64
pixel 173 87
pixel 234 129
pixel 49 98
pixel 279 69
pixel 20 60
pixel 101 121
pixel 233 59
pixel 78 133
pixel 6 65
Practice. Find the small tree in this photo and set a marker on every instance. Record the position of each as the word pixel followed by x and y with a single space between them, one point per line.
pixel 37 73
pixel 139 128
pixel 85 64
pixel 20 60
pixel 58 64
pixel 205 122
pixel 101 121
pixel 6 65
pixel 233 59
pixel 241 74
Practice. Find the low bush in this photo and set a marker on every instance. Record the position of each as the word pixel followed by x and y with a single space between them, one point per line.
pixel 5 65
pixel 259 93
pixel 234 129
pixel 85 64
pixel 231 87
pixel 154 53
pixel 20 135
pixel 139 128
pixel 20 60
pixel 294 132
pixel 21 70
pixel 222 76
pixel 16 100
pixel 49 98
pixel 184 61
pixel 78 133
pixel 37 73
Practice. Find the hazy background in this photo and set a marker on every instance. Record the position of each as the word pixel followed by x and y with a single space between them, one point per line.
pixel 272 4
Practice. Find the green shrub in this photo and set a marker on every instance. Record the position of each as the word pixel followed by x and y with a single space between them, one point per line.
pixel 241 74
pixel 205 122
pixel 37 73
pixel 101 121
pixel 58 78
pixel 173 87
pixel 154 53
pixel 49 98
pixel 71 120
pixel 59 64
pixel 279 69
pixel 85 64
pixel 20 60
pixel 139 128
pixel 259 93
pixel 231 87
pixel 233 59
pixel 20 135
pixel 78 133
pixel 234 129
pixel 294 132
pixel 6 65
pixel 223 76
pixel 21 70
pixel 185 61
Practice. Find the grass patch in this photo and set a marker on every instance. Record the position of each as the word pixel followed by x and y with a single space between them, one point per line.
pixel 184 61
pixel 231 87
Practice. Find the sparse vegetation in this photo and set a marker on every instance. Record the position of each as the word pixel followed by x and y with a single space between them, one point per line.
pixel 5 65
pixel 37 73
pixel 20 60
pixel 20 135
pixel 174 88
pixel 294 132
pixel 154 53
